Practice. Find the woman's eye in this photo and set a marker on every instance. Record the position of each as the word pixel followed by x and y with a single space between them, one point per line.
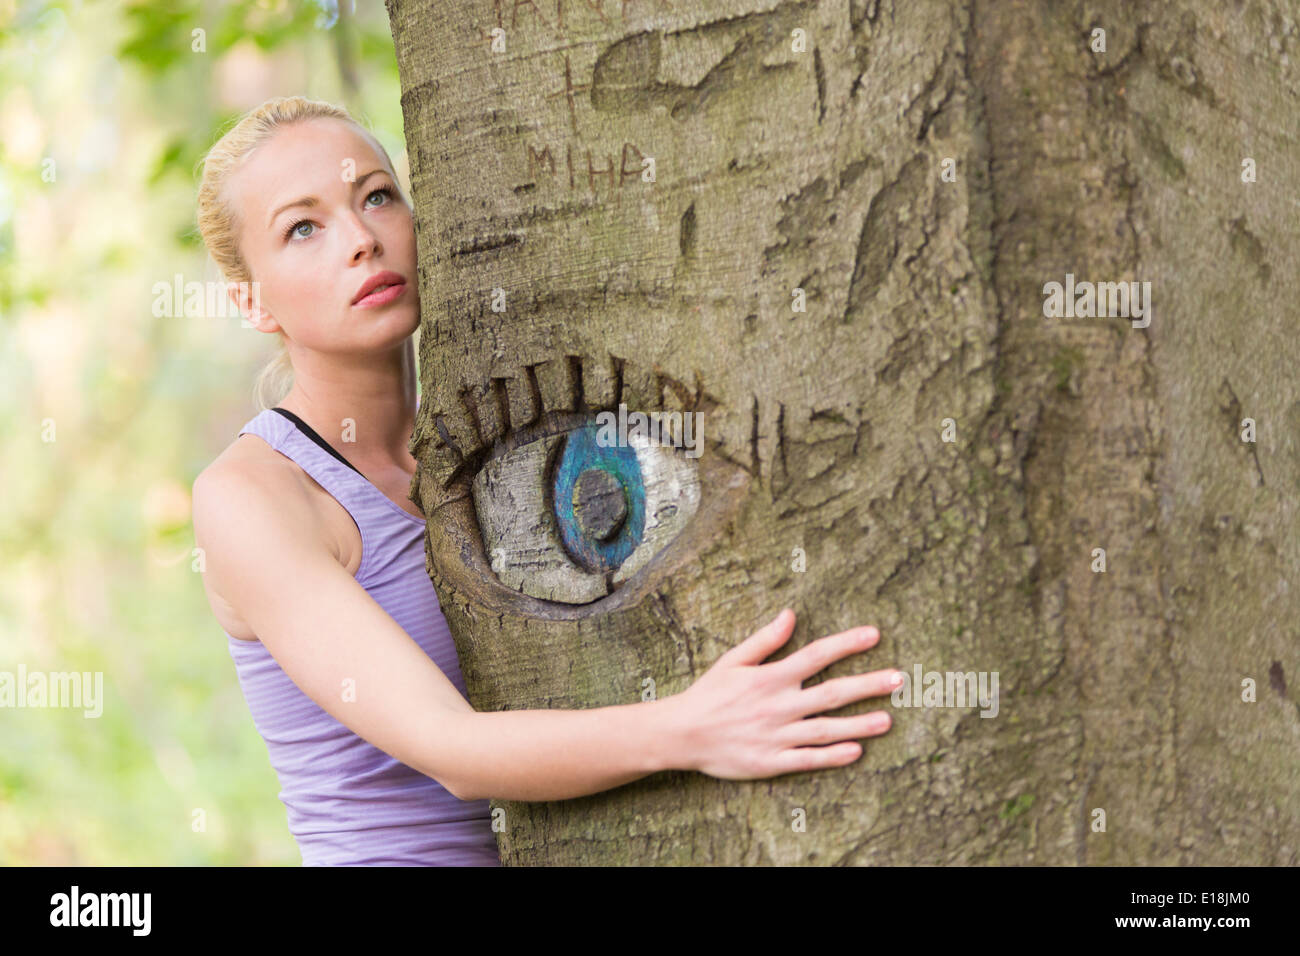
pixel 569 518
pixel 295 228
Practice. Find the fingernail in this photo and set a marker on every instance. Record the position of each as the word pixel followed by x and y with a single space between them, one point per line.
pixel 896 679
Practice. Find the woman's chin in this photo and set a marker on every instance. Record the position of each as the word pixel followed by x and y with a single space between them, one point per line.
pixel 393 329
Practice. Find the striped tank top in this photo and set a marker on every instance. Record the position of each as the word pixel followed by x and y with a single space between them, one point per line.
pixel 348 802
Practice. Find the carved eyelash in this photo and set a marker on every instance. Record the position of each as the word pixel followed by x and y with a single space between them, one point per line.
pixel 543 423
pixel 386 190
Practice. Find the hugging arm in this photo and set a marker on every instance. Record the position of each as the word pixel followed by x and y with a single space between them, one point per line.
pixel 742 719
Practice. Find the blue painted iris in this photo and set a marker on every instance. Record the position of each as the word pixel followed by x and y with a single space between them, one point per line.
pixel 599 539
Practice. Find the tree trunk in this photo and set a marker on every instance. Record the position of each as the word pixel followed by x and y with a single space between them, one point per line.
pixel 560 275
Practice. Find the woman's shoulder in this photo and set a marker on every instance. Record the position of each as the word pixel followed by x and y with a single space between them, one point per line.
pixel 249 471
pixel 251 479
pixel 249 461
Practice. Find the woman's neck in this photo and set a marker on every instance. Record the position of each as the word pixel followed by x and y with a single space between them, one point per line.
pixel 367 410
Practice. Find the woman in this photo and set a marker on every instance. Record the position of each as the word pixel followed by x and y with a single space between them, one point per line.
pixel 315 561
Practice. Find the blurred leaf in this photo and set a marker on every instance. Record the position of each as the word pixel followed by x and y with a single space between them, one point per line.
pixel 116 256
pixel 375 45
pixel 160 34
pixel 187 236
pixel 171 158
pixel 268 29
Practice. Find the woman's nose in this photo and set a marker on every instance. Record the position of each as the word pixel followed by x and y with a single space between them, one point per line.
pixel 363 241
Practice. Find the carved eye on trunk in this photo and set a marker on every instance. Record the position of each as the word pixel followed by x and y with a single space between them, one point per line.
pixel 571 517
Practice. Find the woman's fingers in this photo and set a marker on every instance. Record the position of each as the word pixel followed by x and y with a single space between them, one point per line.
pixel 830 730
pixel 838 734
pixel 825 651
pixel 764 642
pixel 815 758
pixel 831 694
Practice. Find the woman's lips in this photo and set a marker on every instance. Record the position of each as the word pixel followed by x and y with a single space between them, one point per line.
pixel 381 296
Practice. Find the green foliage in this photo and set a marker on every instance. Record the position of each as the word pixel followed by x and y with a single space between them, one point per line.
pixel 159 33
pixel 95 553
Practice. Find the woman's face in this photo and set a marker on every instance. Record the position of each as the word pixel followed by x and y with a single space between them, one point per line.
pixel 320 217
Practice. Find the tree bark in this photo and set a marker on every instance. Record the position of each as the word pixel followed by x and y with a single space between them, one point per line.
pixel 970 543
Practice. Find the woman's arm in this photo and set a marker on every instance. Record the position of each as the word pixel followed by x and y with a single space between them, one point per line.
pixel 738 721
pixel 266 556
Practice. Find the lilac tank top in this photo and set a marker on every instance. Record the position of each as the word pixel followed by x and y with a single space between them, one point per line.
pixel 348 802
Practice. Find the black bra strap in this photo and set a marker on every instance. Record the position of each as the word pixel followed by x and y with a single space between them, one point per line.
pixel 311 433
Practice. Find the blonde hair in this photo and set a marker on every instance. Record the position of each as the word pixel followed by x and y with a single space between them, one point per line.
pixel 217 220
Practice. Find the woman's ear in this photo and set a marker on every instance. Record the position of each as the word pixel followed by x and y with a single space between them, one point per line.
pixel 247 298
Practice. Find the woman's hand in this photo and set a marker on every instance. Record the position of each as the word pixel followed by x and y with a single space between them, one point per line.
pixel 743 719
